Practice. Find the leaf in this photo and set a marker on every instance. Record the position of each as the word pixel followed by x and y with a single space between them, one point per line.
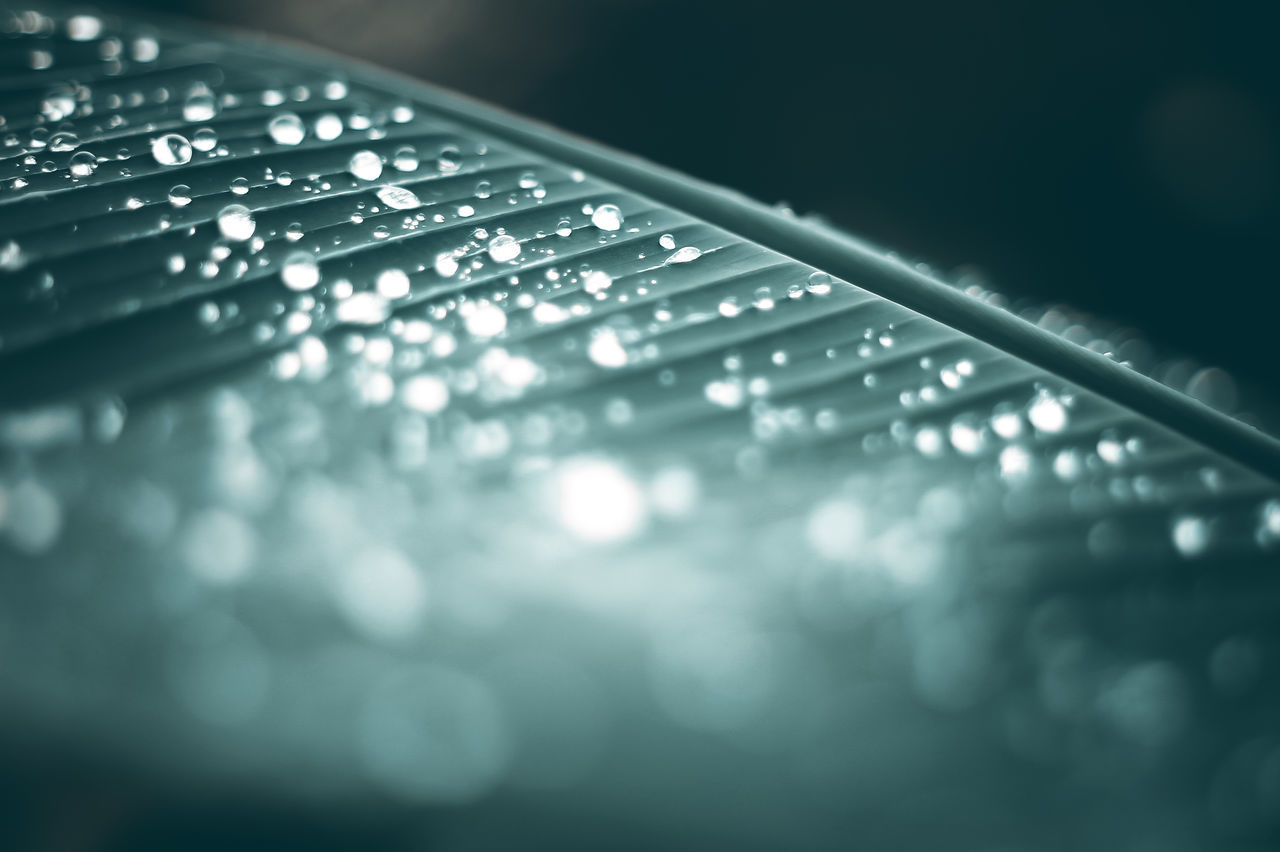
pixel 354 427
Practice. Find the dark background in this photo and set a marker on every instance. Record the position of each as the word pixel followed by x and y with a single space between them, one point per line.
pixel 1122 158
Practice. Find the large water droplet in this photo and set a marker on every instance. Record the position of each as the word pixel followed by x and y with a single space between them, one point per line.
pixel 399 198
pixel 365 165
pixel 393 284
pixel 200 106
pixel 171 149
pixel 235 221
pixel 504 247
pixel 607 217
pixel 286 129
pixel 300 271
pixel 83 163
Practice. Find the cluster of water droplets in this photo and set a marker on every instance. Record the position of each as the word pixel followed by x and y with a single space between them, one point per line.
pixel 447 396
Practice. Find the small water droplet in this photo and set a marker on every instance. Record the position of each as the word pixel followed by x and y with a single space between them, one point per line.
pixel 684 255
pixel 180 195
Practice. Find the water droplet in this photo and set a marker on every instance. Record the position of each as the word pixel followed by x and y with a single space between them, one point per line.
pixel 504 247
pixel 597 502
pixel 405 159
pixel 171 149
pixel 684 255
pixel 426 393
pixel 204 140
pixel 446 265
pixel 63 141
pixel 1047 414
pixel 235 222
pixel 57 106
pixel 328 126
pixel 450 159
pixel 726 393
pixel 667 241
pixel 300 271
pixel 363 308
pixel 399 198
pixel 606 350
pixel 485 319
pixel 607 217
pixel 83 163
pixel 200 106
pixel 180 195
pixel 393 283
pixel 596 281
pixel 83 27
pixel 1191 536
pixel 819 283
pixel 286 129
pixel 365 165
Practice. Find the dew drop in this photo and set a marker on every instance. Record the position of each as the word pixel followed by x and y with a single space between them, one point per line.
pixel 684 255
pixel 486 320
pixel 446 265
pixel 300 271
pixel 449 160
pixel 235 222
pixel 405 159
pixel 607 217
pixel 596 281
pixel 204 140
pixel 200 106
pixel 399 198
pixel 63 142
pixel 504 247
pixel 328 126
pixel 171 149
pixel 180 195
pixel 286 129
pixel 83 163
pixel 393 284
pixel 606 350
pixel 365 165
pixel 363 309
